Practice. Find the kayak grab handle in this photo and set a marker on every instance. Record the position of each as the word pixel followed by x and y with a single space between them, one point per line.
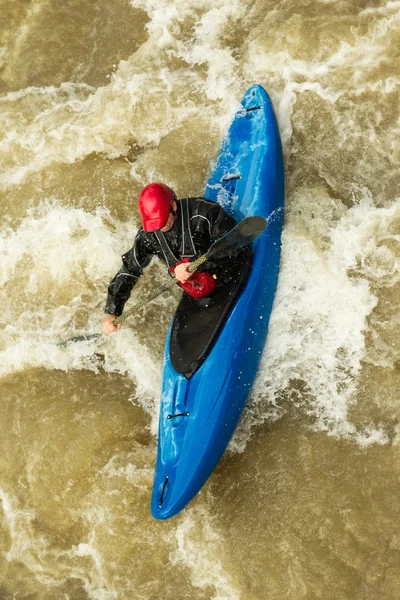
pixel 186 414
pixel 162 492
pixel 252 108
pixel 243 112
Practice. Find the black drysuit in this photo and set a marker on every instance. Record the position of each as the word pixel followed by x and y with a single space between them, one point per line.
pixel 199 223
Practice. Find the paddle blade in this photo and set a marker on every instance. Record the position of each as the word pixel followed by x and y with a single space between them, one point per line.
pixel 243 234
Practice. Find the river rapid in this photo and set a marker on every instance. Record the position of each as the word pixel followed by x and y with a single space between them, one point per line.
pixel 96 100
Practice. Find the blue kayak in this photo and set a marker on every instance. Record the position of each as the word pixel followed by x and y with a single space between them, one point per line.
pixel 199 412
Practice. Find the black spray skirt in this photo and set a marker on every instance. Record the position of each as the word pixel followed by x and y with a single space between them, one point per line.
pixel 198 321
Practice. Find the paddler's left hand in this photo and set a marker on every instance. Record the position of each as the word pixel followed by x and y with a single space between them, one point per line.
pixel 181 272
pixel 108 324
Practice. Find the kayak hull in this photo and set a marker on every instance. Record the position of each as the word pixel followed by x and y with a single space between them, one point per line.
pixel 198 415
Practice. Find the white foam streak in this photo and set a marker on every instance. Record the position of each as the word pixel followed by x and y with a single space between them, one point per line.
pixel 63 243
pixel 194 534
pixel 18 521
pixel 68 88
pixel 380 9
pixel 69 130
pixel 108 119
pixel 98 587
pixel 204 46
pixel 123 353
pixel 324 78
pixel 35 552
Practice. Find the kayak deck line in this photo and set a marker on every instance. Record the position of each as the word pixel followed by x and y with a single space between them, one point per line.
pixel 162 492
pixel 178 415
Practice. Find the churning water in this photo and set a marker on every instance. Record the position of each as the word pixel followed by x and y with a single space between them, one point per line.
pixel 97 99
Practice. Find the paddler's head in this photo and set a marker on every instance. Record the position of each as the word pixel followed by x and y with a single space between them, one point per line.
pixel 157 207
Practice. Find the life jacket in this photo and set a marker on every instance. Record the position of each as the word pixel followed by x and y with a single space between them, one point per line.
pixel 199 284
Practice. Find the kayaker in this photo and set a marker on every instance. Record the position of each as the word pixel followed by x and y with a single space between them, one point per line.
pixel 177 231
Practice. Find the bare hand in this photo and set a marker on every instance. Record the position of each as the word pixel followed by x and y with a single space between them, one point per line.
pixel 108 324
pixel 181 272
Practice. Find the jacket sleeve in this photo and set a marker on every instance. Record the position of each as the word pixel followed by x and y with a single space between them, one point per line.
pixel 133 263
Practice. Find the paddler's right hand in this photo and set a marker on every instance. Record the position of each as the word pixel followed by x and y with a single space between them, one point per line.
pixel 108 324
pixel 181 272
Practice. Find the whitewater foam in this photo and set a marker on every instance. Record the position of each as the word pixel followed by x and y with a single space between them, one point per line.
pixel 201 550
pixel 72 255
pixel 316 340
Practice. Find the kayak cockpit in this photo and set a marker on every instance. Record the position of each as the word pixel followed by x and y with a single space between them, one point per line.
pixel 198 321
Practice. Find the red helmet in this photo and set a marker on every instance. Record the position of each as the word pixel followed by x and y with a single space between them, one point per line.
pixel 154 203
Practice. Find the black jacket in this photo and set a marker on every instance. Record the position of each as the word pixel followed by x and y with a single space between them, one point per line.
pixel 206 222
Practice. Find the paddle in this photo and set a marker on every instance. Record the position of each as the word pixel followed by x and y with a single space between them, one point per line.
pixel 241 235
